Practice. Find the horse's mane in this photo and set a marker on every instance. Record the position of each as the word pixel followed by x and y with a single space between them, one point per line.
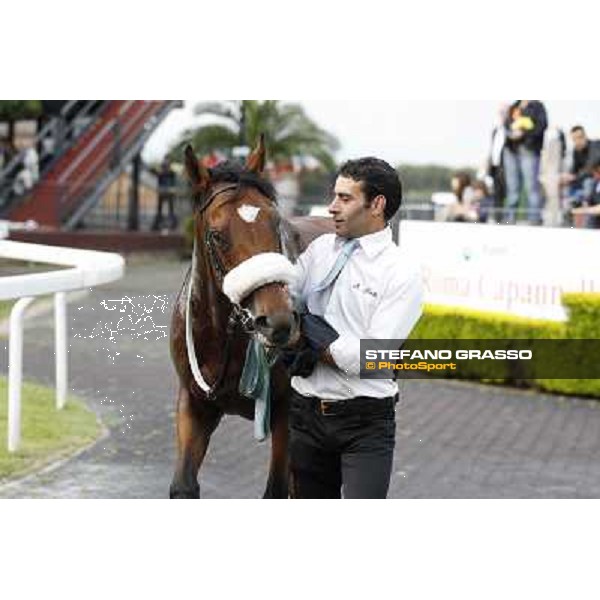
pixel 232 172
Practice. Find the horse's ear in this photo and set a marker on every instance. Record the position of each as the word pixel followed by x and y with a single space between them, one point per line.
pixel 258 157
pixel 197 173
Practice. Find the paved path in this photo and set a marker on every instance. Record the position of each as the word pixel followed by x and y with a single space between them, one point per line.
pixel 454 440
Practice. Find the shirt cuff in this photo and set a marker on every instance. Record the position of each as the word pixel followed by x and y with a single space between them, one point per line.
pixel 345 352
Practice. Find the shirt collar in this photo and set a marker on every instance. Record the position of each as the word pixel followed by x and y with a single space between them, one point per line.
pixel 372 243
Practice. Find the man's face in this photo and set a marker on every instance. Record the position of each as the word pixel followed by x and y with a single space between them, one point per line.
pixel 579 139
pixel 348 208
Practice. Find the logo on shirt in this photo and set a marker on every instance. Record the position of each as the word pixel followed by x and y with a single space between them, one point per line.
pixel 365 290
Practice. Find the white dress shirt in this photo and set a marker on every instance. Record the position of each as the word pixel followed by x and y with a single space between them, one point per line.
pixel 378 294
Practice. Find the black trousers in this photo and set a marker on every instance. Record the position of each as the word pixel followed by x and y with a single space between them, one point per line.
pixel 343 448
pixel 169 200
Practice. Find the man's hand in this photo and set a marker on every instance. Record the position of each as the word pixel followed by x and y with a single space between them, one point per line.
pixel 326 358
pixel 516 134
pixel 567 178
pixel 296 340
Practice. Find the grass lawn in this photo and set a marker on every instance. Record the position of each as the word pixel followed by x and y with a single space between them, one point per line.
pixel 46 433
pixel 5 307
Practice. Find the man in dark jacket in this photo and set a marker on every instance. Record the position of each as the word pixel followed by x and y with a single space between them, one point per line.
pixel 591 210
pixel 167 181
pixel 580 178
pixel 525 125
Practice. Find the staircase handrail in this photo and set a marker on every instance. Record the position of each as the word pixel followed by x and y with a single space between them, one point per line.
pixel 124 127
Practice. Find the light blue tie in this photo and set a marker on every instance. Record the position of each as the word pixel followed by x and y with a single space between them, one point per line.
pixel 347 249
pixel 340 262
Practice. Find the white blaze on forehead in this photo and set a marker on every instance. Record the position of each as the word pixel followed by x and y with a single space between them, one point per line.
pixel 248 213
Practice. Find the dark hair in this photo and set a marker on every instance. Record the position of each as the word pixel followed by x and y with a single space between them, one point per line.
pixel 377 178
pixel 464 181
pixel 577 128
pixel 231 171
pixel 481 186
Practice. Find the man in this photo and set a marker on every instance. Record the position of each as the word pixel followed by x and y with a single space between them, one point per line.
pixel 342 427
pixel 495 169
pixel 525 126
pixel 579 178
pixel 166 195
pixel 591 211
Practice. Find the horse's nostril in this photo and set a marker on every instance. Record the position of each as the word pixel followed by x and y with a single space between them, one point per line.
pixel 261 323
pixel 281 335
pixel 277 328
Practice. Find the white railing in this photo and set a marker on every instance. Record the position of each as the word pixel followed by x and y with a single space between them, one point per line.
pixel 89 268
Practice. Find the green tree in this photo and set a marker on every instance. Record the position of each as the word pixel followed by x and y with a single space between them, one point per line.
pixel 289 131
pixel 15 110
pixel 420 181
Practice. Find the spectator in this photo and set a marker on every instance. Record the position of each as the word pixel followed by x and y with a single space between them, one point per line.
pixel 29 175
pixel 591 211
pixel 495 168
pixel 551 168
pixel 579 179
pixel 7 152
pixel 525 125
pixel 483 202
pixel 47 148
pixel 166 194
pixel 462 210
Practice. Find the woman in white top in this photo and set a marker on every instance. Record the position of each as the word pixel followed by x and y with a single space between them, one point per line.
pixel 464 209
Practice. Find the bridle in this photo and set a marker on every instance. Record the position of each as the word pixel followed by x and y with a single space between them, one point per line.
pixel 238 317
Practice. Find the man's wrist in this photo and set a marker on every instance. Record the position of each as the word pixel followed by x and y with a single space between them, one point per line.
pixel 326 357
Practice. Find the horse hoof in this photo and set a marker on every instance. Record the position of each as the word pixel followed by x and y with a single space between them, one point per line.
pixel 276 494
pixel 179 493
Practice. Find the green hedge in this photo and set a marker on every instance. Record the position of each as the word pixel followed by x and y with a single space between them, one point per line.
pixel 449 323
pixel 584 315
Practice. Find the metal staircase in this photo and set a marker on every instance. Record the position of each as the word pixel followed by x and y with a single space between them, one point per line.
pixel 74 181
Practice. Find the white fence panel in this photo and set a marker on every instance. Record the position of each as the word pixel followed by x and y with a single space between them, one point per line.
pixel 89 268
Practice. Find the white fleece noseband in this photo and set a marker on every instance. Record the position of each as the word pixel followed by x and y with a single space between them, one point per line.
pixel 256 271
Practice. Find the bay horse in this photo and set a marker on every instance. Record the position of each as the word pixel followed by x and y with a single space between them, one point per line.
pixel 236 288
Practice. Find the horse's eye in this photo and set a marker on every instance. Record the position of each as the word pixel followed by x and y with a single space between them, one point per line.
pixel 220 240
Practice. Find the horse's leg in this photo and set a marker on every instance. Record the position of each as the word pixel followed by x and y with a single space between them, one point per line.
pixel 277 483
pixel 195 425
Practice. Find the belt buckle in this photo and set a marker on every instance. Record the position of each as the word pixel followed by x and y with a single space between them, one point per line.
pixel 325 407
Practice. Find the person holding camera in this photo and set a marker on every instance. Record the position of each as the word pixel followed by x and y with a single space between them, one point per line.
pixel 525 125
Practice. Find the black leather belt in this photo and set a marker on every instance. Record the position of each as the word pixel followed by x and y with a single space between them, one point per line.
pixel 357 405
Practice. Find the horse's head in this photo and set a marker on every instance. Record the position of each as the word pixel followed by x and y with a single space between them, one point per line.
pixel 237 234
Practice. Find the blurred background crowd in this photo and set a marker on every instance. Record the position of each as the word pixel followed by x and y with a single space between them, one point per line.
pixel 78 164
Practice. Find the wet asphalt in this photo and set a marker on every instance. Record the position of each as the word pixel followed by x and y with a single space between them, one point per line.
pixel 454 440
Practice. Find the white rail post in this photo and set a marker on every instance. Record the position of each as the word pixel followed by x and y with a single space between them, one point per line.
pixel 60 347
pixel 15 372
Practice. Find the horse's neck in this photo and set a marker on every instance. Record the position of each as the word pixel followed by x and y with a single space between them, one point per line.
pixel 303 230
